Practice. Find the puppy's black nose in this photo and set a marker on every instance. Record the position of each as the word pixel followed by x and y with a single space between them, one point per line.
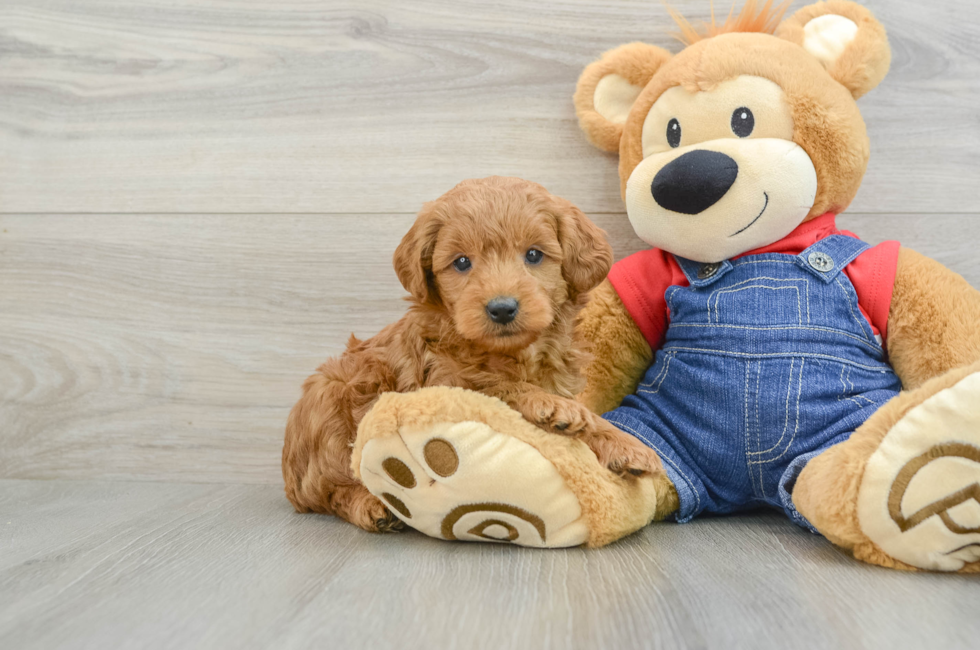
pixel 694 182
pixel 502 310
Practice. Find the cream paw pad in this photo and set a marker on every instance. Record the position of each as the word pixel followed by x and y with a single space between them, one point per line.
pixel 465 481
pixel 920 497
pixel 458 465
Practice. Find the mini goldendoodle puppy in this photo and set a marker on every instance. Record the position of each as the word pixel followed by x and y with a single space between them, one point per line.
pixel 498 270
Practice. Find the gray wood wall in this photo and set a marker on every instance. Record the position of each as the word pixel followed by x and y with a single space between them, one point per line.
pixel 193 217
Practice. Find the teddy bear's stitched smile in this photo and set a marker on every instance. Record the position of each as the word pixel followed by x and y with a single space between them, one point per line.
pixel 766 194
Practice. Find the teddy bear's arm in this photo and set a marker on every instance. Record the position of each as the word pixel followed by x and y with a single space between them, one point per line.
pixel 620 352
pixel 934 321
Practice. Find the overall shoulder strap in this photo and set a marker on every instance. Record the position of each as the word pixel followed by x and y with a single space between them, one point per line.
pixel 831 255
pixel 700 274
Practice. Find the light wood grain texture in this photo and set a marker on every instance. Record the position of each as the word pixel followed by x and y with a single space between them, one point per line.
pixel 90 565
pixel 378 105
pixel 173 347
pixel 198 204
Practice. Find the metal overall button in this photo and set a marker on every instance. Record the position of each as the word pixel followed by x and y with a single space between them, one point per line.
pixel 707 270
pixel 821 261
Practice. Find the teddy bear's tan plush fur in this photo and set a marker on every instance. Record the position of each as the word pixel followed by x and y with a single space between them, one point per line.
pixel 934 323
pixel 772 103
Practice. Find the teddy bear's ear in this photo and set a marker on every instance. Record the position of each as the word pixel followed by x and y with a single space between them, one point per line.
pixel 846 38
pixel 608 87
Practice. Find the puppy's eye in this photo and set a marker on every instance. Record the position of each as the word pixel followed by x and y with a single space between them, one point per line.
pixel 743 122
pixel 674 133
pixel 462 264
pixel 534 256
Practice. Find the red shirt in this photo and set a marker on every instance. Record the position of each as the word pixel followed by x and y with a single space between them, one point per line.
pixel 642 279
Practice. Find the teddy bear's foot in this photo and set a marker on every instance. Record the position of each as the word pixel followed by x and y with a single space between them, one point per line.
pixel 459 465
pixel 919 499
pixel 465 481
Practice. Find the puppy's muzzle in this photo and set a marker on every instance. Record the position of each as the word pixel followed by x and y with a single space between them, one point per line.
pixel 503 310
pixel 694 182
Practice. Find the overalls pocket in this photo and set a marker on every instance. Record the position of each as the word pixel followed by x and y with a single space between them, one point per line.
pixel 773 391
pixel 656 375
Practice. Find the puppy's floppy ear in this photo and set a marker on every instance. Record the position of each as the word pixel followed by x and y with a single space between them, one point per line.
pixel 608 87
pixel 847 40
pixel 586 255
pixel 413 257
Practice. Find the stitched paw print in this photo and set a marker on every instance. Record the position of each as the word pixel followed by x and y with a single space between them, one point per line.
pixel 464 481
pixel 919 499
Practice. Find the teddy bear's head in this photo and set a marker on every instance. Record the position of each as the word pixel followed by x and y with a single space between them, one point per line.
pixel 749 131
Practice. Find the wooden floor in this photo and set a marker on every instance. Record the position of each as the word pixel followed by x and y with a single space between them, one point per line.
pixel 199 202
pixel 179 565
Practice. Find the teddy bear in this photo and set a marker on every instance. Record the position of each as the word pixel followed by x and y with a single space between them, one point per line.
pixel 768 357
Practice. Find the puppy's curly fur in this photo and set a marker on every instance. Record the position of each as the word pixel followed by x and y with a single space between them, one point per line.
pixel 534 362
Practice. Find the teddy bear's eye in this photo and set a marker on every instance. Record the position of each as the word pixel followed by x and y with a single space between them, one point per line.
pixel 743 121
pixel 674 133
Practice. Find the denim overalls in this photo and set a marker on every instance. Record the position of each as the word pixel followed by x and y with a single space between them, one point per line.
pixel 767 362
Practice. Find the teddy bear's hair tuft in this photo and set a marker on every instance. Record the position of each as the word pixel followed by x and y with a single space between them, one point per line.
pixel 765 21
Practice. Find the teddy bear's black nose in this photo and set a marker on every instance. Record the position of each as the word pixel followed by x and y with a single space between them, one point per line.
pixel 694 182
pixel 502 310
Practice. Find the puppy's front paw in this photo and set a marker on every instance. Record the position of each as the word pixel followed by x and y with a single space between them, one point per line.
pixel 366 511
pixel 622 453
pixel 556 414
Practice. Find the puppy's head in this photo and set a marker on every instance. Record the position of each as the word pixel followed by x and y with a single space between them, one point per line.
pixel 501 257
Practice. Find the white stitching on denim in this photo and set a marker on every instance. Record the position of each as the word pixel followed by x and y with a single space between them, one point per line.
pixel 849 253
pixel 768 277
pixel 748 464
pixel 758 487
pixel 854 389
pixel 845 249
pixel 786 327
pixel 843 397
pixel 660 376
pixel 758 393
pixel 690 483
pixel 729 353
pixel 855 398
pixel 789 391
pixel 717 295
pixel 669 299
pixel 848 385
pixel 850 308
pixel 799 395
pixel 806 285
pixel 759 463
pixel 654 380
pixel 758 421
pixel 747 262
